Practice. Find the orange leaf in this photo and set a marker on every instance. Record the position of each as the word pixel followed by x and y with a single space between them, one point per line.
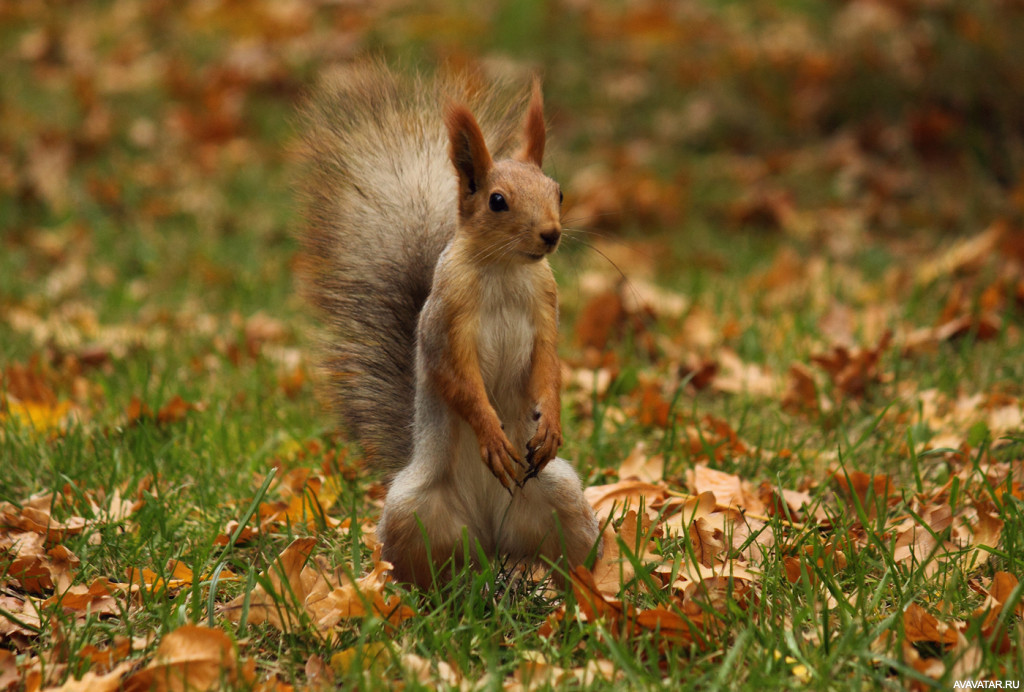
pixel 1003 584
pixel 289 584
pixel 617 496
pixel 728 488
pixel 921 626
pixel 92 682
pixel 642 467
pixel 97 599
pixel 175 410
pixel 668 624
pixel 654 408
pixel 191 657
pixel 601 319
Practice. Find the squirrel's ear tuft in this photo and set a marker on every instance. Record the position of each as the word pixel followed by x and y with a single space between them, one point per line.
pixel 533 143
pixel 468 151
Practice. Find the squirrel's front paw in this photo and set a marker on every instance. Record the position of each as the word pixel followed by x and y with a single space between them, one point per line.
pixel 500 456
pixel 544 445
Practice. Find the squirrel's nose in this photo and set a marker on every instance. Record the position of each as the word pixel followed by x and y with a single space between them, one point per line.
pixel 551 236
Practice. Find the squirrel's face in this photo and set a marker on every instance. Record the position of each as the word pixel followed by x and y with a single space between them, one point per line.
pixel 508 210
pixel 515 215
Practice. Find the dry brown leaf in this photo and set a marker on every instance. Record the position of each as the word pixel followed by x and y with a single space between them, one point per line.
pixel 181 575
pixel 34 516
pixel 668 625
pixel 290 585
pixel 106 659
pixel 306 499
pixel 931 667
pixel 32 566
pixel 697 373
pixel 790 505
pixel 706 541
pixel 989 612
pixel 591 601
pixel 359 599
pixel 641 466
pixel 117 508
pixel 99 598
pixel 1003 584
pixel 867 489
pixel 612 569
pixel 918 542
pixel 10 676
pixel 653 409
pixel 617 497
pixel 246 534
pixel 737 377
pixel 191 657
pixel 601 319
pixel 26 616
pixel 93 682
pixel 535 672
pixel 729 489
pixel 175 410
pixel 921 626
pixel 436 674
pixel 964 256
pixel 27 398
pixel 625 621
pixel 319 675
pixel 801 393
pixel 301 587
pixel 684 511
pixel 987 531
pixel 983 326
pixel 853 371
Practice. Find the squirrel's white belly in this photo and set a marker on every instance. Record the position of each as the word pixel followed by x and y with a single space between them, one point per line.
pixel 504 350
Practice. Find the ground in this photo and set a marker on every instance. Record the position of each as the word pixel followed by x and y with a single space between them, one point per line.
pixel 792 292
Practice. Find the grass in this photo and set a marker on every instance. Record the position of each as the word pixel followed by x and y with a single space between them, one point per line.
pixel 156 264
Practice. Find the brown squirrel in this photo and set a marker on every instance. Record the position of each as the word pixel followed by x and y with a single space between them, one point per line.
pixel 426 257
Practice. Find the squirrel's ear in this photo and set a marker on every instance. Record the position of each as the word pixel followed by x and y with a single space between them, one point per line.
pixel 533 143
pixel 468 151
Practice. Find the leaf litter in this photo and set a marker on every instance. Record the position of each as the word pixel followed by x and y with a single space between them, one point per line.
pixel 683 547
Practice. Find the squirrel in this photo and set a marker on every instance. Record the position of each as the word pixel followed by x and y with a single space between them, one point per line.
pixel 425 253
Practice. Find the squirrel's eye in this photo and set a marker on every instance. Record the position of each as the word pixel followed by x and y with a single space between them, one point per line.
pixel 560 197
pixel 497 202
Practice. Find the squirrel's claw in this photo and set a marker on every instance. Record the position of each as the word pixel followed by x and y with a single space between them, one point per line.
pixel 501 459
pixel 542 448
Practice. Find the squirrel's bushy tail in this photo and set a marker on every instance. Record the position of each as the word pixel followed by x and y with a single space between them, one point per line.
pixel 380 204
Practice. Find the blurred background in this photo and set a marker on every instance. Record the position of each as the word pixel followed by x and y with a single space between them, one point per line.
pixel 145 144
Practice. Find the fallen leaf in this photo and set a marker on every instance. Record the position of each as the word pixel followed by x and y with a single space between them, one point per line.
pixel 801 393
pixel 289 585
pixel 613 569
pixel 962 256
pixel 868 490
pixel 920 542
pixel 737 377
pixel 10 676
pixel 191 657
pixel 853 371
pixel 640 466
pixel 921 626
pixel 96 599
pixel 93 682
pixel 618 497
pixel 301 589
pixel 728 489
